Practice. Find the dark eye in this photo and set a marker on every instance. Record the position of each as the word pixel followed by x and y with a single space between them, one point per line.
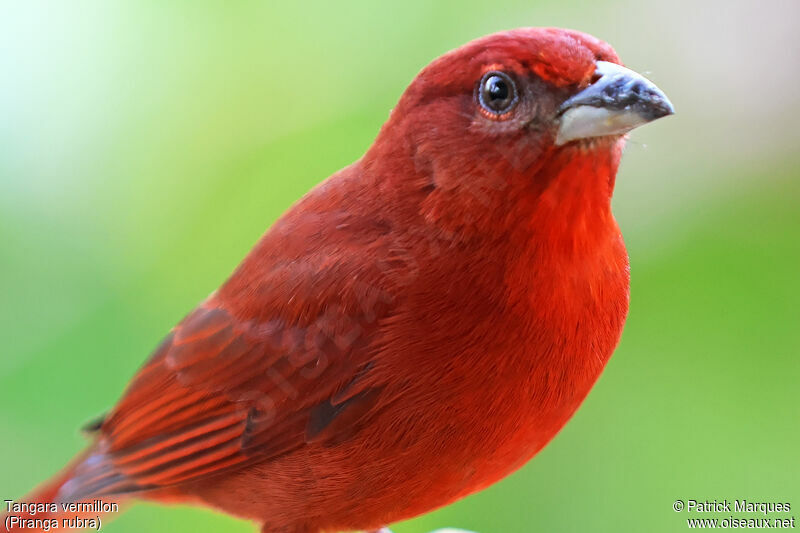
pixel 497 93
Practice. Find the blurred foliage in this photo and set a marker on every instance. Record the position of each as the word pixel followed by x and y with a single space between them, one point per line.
pixel 145 146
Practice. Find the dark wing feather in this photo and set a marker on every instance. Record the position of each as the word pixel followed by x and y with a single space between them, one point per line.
pixel 278 359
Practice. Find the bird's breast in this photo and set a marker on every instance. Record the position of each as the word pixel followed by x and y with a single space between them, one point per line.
pixel 567 312
pixel 510 349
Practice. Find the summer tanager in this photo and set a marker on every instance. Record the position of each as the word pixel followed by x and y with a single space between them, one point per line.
pixel 416 327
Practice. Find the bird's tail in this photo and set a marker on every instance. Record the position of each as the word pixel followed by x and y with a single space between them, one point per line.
pixel 50 506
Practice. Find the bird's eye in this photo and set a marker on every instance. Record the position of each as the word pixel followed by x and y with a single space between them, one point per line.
pixel 497 93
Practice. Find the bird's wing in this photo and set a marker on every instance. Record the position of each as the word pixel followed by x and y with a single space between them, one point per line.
pixel 279 358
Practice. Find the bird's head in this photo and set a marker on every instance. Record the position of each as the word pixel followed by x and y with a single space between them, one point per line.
pixel 506 113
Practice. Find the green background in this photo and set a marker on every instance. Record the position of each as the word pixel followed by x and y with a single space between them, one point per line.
pixel 145 146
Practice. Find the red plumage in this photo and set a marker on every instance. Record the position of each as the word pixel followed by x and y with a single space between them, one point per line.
pixel 414 329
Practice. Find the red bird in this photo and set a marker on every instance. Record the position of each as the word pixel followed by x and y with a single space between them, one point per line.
pixel 416 327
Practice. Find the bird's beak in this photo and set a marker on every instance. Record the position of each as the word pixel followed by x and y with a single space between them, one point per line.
pixel 617 102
